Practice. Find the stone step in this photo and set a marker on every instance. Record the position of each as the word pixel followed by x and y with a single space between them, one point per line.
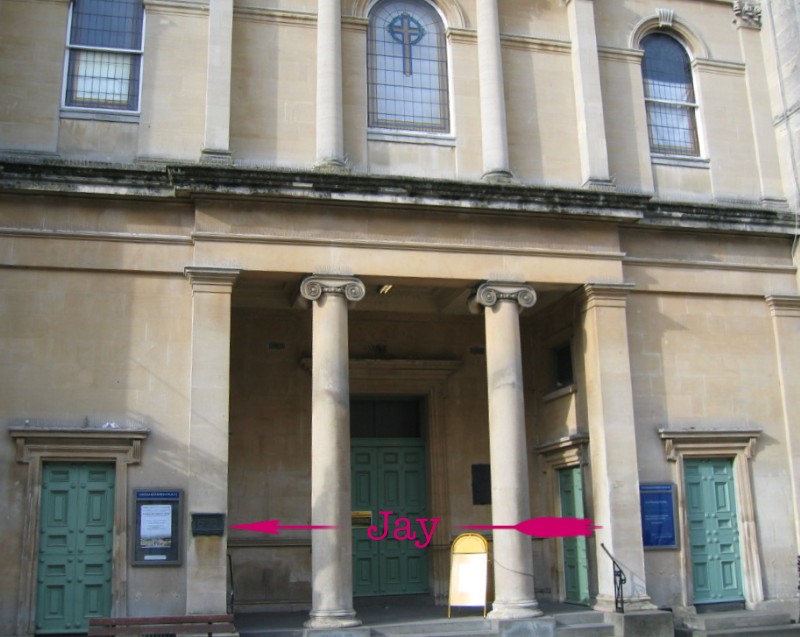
pixel 786 630
pixel 441 628
pixel 736 619
pixel 579 617
pixel 584 629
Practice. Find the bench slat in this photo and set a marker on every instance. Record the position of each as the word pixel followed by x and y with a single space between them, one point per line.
pixel 172 625
pixel 162 629
pixel 175 619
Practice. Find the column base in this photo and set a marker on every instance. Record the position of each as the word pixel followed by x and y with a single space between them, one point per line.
pixel 515 610
pixel 498 177
pixel 654 623
pixel 605 604
pixel 325 620
pixel 599 184
pixel 332 165
pixel 216 156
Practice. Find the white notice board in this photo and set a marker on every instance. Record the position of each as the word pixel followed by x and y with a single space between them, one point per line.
pixel 469 566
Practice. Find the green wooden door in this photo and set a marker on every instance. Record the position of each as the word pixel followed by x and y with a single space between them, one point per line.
pixel 576 557
pixel 713 530
pixel 75 546
pixel 389 475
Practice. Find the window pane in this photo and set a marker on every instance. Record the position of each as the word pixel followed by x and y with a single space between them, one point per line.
pixel 113 24
pixel 672 128
pixel 105 80
pixel 407 67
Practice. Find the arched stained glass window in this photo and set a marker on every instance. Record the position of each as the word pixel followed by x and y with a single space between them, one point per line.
pixel 669 96
pixel 407 67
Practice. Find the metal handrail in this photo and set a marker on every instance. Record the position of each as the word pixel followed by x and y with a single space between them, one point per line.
pixel 619 582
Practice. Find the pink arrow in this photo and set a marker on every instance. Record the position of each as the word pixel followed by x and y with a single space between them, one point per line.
pixel 547 527
pixel 273 527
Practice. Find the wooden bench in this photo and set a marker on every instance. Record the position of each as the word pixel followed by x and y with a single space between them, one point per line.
pixel 181 625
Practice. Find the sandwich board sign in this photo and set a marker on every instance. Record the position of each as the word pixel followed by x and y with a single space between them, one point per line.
pixel 469 568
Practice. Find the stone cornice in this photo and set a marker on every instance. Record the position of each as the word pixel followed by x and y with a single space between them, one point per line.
pixel 186 182
pixel 784 306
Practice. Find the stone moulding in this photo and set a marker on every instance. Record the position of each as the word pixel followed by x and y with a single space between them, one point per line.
pixel 189 182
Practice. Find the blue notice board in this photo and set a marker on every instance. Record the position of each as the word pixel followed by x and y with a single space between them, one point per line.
pixel 657 502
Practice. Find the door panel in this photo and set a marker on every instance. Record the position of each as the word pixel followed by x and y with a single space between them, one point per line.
pixel 75 546
pixel 713 530
pixel 389 476
pixel 576 557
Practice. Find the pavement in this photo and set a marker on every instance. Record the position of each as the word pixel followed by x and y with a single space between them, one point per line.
pixel 374 612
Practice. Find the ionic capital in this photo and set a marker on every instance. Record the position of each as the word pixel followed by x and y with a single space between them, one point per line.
pixel 489 293
pixel 313 287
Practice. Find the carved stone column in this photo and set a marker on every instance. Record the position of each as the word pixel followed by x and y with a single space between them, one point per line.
pixel 330 135
pixel 494 136
pixel 508 449
pixel 206 569
pixel 331 549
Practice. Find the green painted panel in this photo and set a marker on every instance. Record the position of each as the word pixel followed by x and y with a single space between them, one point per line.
pixel 576 556
pixel 713 530
pixel 389 475
pixel 75 546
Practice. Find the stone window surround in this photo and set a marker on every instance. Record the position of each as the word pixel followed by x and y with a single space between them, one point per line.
pixel 36 445
pixel 740 445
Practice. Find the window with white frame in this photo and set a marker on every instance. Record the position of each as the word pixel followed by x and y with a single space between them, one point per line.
pixel 407 67
pixel 669 96
pixel 104 56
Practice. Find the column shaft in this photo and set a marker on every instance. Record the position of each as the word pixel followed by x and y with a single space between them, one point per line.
pixel 588 95
pixel 206 568
pixel 508 449
pixel 330 136
pixel 612 443
pixel 331 549
pixel 216 137
pixel 494 135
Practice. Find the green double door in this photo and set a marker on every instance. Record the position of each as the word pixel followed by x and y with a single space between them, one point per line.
pixel 576 557
pixel 76 541
pixel 388 475
pixel 713 530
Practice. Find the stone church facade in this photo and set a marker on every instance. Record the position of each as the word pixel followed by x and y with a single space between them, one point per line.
pixel 476 261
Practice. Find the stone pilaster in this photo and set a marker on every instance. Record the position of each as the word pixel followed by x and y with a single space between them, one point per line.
pixel 206 567
pixel 748 22
pixel 588 95
pixel 508 448
pixel 216 137
pixel 330 118
pixel 494 135
pixel 612 445
pixel 785 312
pixel 331 549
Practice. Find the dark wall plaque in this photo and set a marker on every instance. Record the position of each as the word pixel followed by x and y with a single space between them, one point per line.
pixel 208 524
pixel 481 484
pixel 658 515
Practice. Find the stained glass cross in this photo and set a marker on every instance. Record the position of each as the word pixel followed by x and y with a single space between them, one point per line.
pixel 406 30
